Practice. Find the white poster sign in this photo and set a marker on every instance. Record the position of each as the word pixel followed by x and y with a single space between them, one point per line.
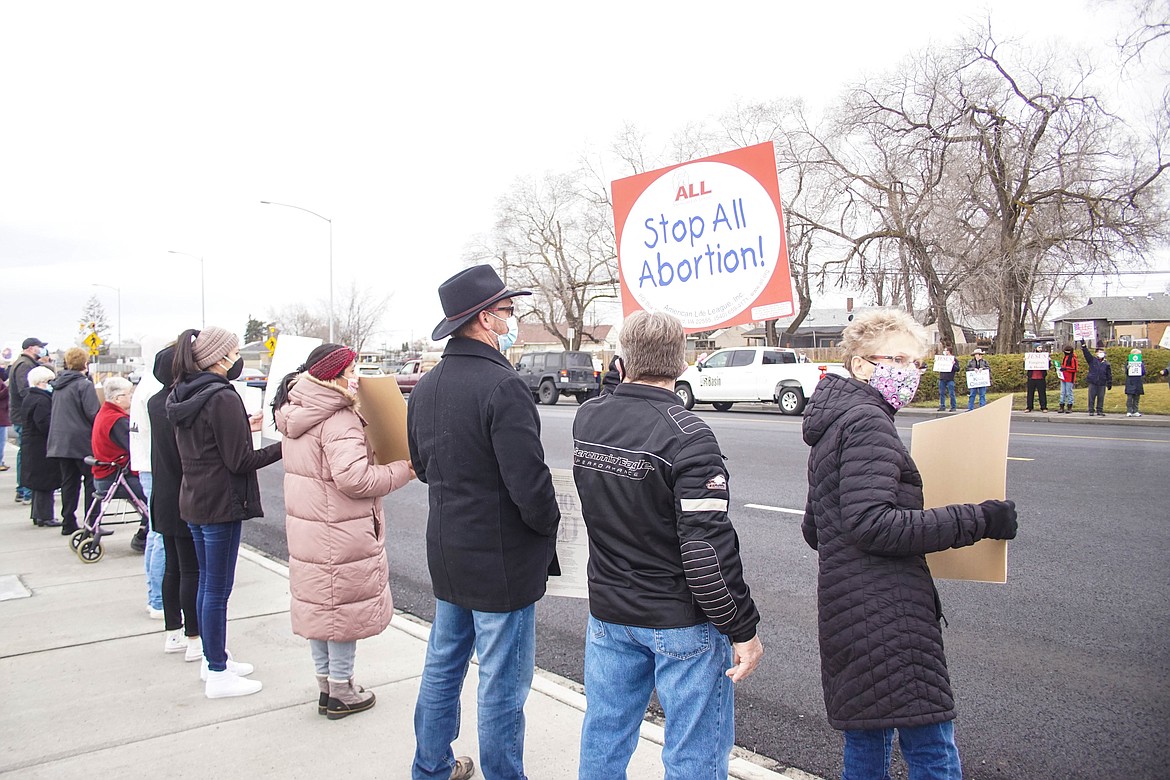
pixel 572 540
pixel 1085 331
pixel 1133 368
pixel 979 378
pixel 253 398
pixel 704 240
pixel 1036 361
pixel 291 351
pixel 944 363
pixel 1165 342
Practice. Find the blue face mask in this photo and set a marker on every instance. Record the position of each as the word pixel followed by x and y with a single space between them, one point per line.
pixel 509 338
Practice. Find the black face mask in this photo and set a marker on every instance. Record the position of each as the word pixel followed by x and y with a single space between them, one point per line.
pixel 237 368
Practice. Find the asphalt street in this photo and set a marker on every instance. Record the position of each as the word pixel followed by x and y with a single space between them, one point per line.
pixel 1064 672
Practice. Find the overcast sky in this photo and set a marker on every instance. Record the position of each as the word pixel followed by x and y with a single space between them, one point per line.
pixel 131 129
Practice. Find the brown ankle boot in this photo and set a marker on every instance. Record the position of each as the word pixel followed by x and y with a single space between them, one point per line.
pixel 323 700
pixel 345 698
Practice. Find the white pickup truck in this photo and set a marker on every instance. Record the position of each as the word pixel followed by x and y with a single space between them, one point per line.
pixel 752 375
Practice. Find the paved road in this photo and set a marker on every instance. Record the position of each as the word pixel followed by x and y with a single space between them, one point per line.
pixel 1062 673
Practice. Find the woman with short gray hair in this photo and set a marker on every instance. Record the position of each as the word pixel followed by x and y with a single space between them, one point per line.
pixel 37 472
pixel 882 663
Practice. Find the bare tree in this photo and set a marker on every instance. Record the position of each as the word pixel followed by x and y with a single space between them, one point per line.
pixel 359 315
pixel 554 236
pixel 967 176
pixel 297 319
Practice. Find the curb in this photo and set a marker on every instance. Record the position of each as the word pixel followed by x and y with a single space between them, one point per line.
pixel 744 764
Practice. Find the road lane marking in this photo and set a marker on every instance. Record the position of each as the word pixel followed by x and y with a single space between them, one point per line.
pixel 1094 438
pixel 775 509
pixel 1011 458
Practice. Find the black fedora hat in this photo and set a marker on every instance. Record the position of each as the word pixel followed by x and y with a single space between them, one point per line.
pixel 466 294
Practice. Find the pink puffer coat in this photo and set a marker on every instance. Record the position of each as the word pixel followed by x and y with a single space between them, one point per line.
pixel 338 575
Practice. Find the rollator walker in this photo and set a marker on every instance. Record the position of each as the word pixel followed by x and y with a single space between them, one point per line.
pixel 87 540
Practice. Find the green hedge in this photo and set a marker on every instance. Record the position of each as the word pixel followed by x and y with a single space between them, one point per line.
pixel 1008 375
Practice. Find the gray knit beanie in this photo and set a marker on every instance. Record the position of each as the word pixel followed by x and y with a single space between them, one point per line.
pixel 212 345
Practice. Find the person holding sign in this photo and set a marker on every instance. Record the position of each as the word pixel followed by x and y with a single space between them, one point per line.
pixel 1135 372
pixel 978 379
pixel 882 662
pixel 1037 377
pixel 946 366
pixel 669 609
pixel 219 489
pixel 1100 379
pixel 337 571
pixel 1068 378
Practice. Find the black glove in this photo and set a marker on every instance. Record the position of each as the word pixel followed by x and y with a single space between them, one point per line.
pixel 1001 519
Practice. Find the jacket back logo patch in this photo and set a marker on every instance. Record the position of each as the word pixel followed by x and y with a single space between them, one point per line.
pixel 717 482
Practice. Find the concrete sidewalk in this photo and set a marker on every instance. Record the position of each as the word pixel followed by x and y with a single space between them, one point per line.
pixel 90 693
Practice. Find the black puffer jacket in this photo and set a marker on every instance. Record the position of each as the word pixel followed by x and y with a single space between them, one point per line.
pixel 882 662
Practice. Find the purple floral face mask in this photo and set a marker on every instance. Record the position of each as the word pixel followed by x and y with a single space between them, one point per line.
pixel 897 385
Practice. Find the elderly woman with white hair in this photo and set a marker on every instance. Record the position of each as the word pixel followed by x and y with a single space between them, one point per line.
pixel 111 445
pixel 882 663
pixel 41 475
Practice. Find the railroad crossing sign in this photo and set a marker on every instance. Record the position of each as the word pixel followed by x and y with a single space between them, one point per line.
pixel 93 341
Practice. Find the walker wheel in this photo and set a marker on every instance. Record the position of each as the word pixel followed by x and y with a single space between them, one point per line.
pixel 76 539
pixel 90 551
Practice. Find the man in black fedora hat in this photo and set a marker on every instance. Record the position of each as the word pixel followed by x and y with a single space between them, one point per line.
pixel 474 436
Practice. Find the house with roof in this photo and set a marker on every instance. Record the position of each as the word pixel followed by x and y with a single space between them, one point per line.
pixel 598 340
pixel 1120 320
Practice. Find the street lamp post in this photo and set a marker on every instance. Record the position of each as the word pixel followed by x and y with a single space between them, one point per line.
pixel 119 291
pixel 202 287
pixel 327 219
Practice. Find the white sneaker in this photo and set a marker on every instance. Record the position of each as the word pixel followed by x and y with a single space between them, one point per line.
pixel 1137 414
pixel 194 649
pixel 1129 414
pixel 238 668
pixel 221 685
pixel 155 614
pixel 175 642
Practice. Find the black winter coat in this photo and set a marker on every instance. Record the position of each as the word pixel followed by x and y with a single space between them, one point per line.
pixel 75 405
pixel 1135 385
pixel 215 446
pixel 37 472
pixel 1100 372
pixel 474 437
pixel 165 464
pixel 882 662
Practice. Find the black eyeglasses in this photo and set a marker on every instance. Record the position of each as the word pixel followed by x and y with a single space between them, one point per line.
pixel 901 361
pixel 510 310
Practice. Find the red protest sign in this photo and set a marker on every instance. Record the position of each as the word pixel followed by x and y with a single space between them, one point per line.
pixel 704 240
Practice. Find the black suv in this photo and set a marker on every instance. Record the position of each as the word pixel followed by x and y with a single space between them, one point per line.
pixel 552 374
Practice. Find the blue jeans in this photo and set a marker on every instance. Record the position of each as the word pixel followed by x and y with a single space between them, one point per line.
pixel 21 490
pixel 155 557
pixel 506 645
pixel 623 664
pixel 1066 393
pixel 981 393
pixel 3 442
pixel 946 388
pixel 929 752
pixel 217 546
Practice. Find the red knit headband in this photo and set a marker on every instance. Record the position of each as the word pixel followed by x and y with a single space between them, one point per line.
pixel 331 366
